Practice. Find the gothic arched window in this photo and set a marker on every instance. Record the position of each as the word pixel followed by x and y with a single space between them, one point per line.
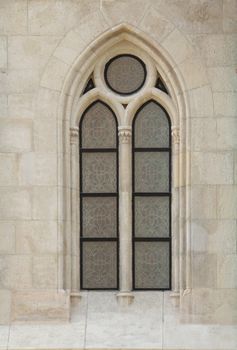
pixel 125 176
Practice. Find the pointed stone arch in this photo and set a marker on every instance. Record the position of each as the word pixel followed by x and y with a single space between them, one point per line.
pixel 63 79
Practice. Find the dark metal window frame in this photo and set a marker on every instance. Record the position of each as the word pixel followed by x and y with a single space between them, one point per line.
pixel 113 59
pixel 150 194
pixel 83 195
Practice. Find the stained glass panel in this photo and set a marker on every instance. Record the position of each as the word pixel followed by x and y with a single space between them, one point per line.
pixel 151 127
pixel 151 172
pixel 152 216
pixel 99 172
pixel 99 127
pixel 99 216
pixel 99 265
pixel 125 74
pixel 152 265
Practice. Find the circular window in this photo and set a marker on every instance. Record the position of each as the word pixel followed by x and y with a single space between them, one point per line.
pixel 125 74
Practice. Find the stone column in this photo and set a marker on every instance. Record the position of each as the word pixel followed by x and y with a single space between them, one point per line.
pixel 75 253
pixel 125 213
pixel 175 211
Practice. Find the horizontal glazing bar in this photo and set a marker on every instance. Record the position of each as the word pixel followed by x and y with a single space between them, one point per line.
pixel 151 149
pixel 151 194
pixel 98 150
pixel 151 239
pixel 98 194
pixel 99 239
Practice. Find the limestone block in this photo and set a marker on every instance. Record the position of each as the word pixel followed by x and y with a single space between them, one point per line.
pixel 210 305
pixel 194 73
pixel 21 106
pixel 3 106
pixel 201 102
pixel 157 26
pixel 193 16
pixel 13 17
pixel 54 74
pixel 204 270
pixel 70 47
pixel 203 202
pixel 226 133
pixel 48 17
pixel 45 135
pixel 5 311
pixel 235 168
pixel 124 11
pixel 19 81
pixel 36 237
pixel 8 169
pixel 227 271
pixel 38 306
pixel 30 52
pixel 217 49
pixel 212 168
pixel 15 135
pixel 7 238
pixel 44 203
pixel 15 203
pixel 16 272
pixel 229 16
pixel 92 26
pixel 37 169
pixel 214 236
pixel 203 134
pixel 47 103
pixel 223 79
pixel 178 46
pixel 3 52
pixel 227 202
pixel 225 104
pixel 45 272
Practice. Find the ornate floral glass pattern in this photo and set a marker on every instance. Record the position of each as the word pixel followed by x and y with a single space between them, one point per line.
pixel 152 265
pixel 98 127
pixel 152 216
pixel 99 216
pixel 151 172
pixel 125 74
pixel 100 265
pixel 99 172
pixel 151 127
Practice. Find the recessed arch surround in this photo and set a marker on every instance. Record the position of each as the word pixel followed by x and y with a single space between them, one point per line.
pixel 69 112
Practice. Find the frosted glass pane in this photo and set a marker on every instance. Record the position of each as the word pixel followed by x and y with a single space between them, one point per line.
pixel 152 217
pixel 99 216
pixel 99 127
pixel 125 74
pixel 151 127
pixel 151 265
pixel 151 172
pixel 99 265
pixel 98 172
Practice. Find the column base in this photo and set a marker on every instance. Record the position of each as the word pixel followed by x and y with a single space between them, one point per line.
pixel 125 298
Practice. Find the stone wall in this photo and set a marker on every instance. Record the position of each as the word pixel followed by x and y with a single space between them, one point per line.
pixel 40 41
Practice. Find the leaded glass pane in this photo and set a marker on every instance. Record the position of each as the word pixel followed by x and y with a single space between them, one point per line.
pixel 99 127
pixel 151 127
pixel 151 172
pixel 99 172
pixel 99 215
pixel 152 265
pixel 151 216
pixel 99 265
pixel 125 74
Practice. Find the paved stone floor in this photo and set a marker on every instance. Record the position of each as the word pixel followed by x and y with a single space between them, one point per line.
pixel 98 322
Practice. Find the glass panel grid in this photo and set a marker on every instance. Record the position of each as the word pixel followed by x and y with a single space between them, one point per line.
pixel 99 200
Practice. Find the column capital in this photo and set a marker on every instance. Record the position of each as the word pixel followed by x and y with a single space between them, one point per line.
pixel 175 134
pixel 74 135
pixel 125 134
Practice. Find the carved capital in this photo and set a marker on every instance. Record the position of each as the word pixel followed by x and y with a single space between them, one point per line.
pixel 74 135
pixel 175 135
pixel 125 134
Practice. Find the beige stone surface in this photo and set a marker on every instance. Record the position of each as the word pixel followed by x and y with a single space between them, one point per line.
pixel 42 70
